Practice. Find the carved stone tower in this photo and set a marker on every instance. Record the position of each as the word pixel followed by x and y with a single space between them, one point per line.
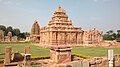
pixel 35 32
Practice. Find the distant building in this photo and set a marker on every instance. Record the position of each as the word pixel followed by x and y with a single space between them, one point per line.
pixel 35 33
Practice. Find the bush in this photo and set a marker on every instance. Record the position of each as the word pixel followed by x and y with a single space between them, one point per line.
pixel 32 58
pixel 81 56
pixel 39 57
pixel 1 60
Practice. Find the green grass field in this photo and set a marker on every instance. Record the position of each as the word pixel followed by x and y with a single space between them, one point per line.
pixel 37 51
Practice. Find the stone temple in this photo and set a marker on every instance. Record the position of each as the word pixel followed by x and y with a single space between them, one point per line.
pixel 60 31
pixel 35 33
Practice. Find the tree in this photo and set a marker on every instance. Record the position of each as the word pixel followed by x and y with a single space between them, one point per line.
pixel 109 32
pixel 22 36
pixel 118 35
pixel 16 32
pixel 2 27
pixel 118 31
pixel 9 29
pixel 26 33
pixel 113 36
pixel 110 35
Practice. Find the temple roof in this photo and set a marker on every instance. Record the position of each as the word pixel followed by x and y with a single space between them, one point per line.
pixel 60 19
pixel 35 28
pixel 60 9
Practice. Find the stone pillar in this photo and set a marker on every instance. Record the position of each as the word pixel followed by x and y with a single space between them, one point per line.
pixel 110 58
pixel 61 55
pixel 27 50
pixel 85 63
pixel 27 56
pixel 8 55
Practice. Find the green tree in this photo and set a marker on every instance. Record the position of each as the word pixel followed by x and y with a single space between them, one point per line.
pixel 118 35
pixel 109 35
pixel 16 32
pixel 109 32
pixel 118 31
pixel 9 29
pixel 2 27
pixel 113 36
pixel 22 36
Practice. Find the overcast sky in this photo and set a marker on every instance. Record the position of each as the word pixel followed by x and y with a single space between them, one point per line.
pixel 103 15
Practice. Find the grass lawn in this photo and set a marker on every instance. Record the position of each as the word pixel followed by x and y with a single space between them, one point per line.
pixel 96 51
pixel 37 51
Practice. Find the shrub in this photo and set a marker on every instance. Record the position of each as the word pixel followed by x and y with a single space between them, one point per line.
pixel 1 60
pixel 81 56
pixel 39 57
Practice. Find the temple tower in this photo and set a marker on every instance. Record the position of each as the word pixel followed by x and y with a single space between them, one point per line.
pixel 35 32
pixel 60 19
pixel 60 30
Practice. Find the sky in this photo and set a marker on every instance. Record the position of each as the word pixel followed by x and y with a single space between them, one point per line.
pixel 103 15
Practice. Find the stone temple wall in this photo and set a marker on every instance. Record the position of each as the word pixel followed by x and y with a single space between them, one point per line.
pixel 60 31
pixel 92 37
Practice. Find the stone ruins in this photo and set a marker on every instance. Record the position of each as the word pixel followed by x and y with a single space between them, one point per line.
pixel 61 31
pixel 8 38
pixel 16 59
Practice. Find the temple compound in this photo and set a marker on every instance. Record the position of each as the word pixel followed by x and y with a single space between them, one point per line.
pixel 60 31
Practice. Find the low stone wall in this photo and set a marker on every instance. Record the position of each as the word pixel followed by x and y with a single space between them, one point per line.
pixel 98 62
pixel 117 59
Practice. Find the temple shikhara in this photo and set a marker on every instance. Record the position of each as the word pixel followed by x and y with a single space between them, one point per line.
pixel 35 32
pixel 60 31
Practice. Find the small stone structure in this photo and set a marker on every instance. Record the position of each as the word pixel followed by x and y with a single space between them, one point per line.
pixel 60 54
pixel 117 59
pixel 27 50
pixel 8 52
pixel 92 37
pixel 35 33
pixel 1 35
pixel 8 38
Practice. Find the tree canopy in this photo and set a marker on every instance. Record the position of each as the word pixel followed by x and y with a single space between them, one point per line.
pixel 111 35
pixel 15 31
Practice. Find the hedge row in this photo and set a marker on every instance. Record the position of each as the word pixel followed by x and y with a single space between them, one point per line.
pixel 1 60
pixel 39 57
pixel 81 56
pixel 48 57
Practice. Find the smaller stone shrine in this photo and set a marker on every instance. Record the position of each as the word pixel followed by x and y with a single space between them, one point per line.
pixel 35 33
pixel 60 54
